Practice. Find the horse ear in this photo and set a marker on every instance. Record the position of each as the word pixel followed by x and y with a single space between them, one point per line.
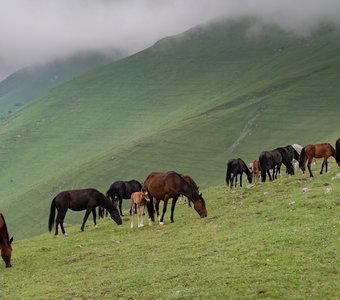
pixel 11 240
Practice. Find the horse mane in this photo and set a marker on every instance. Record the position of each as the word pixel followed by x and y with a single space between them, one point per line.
pixel 5 227
pixel 245 167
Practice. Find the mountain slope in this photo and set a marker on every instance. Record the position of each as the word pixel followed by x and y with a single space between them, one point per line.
pixel 31 82
pixel 189 103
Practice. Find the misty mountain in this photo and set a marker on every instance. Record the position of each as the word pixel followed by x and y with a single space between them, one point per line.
pixel 31 82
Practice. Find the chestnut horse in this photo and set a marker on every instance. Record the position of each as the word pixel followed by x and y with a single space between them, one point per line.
pixel 236 167
pixel 139 199
pixel 77 200
pixel 5 242
pixel 189 180
pixel 337 151
pixel 256 169
pixel 310 151
pixel 163 186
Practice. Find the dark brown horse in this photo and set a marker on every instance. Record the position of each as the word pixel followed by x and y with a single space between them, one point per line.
pixel 5 242
pixel 310 151
pixel 77 200
pixel 337 151
pixel 163 186
pixel 236 167
pixel 122 190
pixel 288 153
pixel 270 160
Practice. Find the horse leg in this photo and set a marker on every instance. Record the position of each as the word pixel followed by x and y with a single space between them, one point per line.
pixel 308 165
pixel 132 213
pixel 173 205
pixel 94 217
pixel 324 163
pixel 241 179
pixel 166 199
pixel 88 211
pixel 60 220
pixel 140 211
pixel 157 209
pixel 270 176
pixel 120 199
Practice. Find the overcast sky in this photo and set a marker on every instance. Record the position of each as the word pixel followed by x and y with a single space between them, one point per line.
pixel 33 31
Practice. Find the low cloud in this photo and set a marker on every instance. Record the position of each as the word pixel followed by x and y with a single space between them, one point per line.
pixel 40 30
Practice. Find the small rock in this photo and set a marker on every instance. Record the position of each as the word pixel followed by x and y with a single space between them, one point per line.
pixel 305 190
pixel 328 190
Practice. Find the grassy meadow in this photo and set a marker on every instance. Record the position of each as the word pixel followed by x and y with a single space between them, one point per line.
pixel 270 241
pixel 189 103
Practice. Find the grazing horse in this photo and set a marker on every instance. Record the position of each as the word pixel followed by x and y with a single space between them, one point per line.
pixel 78 200
pixel 256 169
pixel 236 167
pixel 122 190
pixel 139 199
pixel 270 160
pixel 310 151
pixel 189 180
pixel 5 242
pixel 163 186
pixel 337 151
pixel 288 154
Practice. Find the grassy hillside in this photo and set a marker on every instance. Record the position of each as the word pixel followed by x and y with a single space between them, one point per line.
pixel 189 103
pixel 267 241
pixel 32 82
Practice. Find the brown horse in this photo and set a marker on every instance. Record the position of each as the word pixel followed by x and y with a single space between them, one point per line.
pixel 77 200
pixel 163 186
pixel 189 180
pixel 310 151
pixel 5 242
pixel 139 199
pixel 337 151
pixel 256 169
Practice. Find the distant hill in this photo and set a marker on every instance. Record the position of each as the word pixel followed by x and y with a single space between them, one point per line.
pixel 31 82
pixel 189 103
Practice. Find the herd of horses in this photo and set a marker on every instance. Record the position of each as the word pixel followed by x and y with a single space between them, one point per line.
pixel 169 185
pixel 270 162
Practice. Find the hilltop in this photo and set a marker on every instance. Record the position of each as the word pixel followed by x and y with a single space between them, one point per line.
pixel 189 103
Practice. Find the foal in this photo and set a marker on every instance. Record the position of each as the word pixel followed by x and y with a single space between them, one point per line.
pixel 139 199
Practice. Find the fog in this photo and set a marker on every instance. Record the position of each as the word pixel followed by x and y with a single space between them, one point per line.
pixel 38 31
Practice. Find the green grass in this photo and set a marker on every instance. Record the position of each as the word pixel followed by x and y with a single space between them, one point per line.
pixel 189 103
pixel 267 241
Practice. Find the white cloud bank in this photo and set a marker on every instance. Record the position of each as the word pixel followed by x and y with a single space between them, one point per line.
pixel 40 30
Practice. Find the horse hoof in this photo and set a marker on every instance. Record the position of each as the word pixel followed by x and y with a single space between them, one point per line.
pixel 95 226
pixel 131 226
pixel 161 223
pixel 139 226
pixel 65 234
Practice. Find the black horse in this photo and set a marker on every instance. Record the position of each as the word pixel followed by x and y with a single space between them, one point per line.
pixel 337 151
pixel 270 160
pixel 288 154
pixel 78 200
pixel 236 167
pixel 123 190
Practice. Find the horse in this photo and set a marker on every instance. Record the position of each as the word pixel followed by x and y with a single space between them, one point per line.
pixel 236 167
pixel 337 151
pixel 5 242
pixel 270 160
pixel 139 199
pixel 310 151
pixel 256 169
pixel 78 200
pixel 189 180
pixel 163 186
pixel 123 190
pixel 288 154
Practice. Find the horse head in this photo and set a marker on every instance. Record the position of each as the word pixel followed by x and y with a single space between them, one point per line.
pixel 6 253
pixel 115 216
pixel 199 206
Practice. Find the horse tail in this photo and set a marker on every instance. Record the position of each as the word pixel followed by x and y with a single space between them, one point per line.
pixel 263 166
pixel 228 174
pixel 52 215
pixel 302 158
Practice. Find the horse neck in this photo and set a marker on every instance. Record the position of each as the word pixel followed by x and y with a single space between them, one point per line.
pixel 4 237
pixel 190 192
pixel 245 168
pixel 106 203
